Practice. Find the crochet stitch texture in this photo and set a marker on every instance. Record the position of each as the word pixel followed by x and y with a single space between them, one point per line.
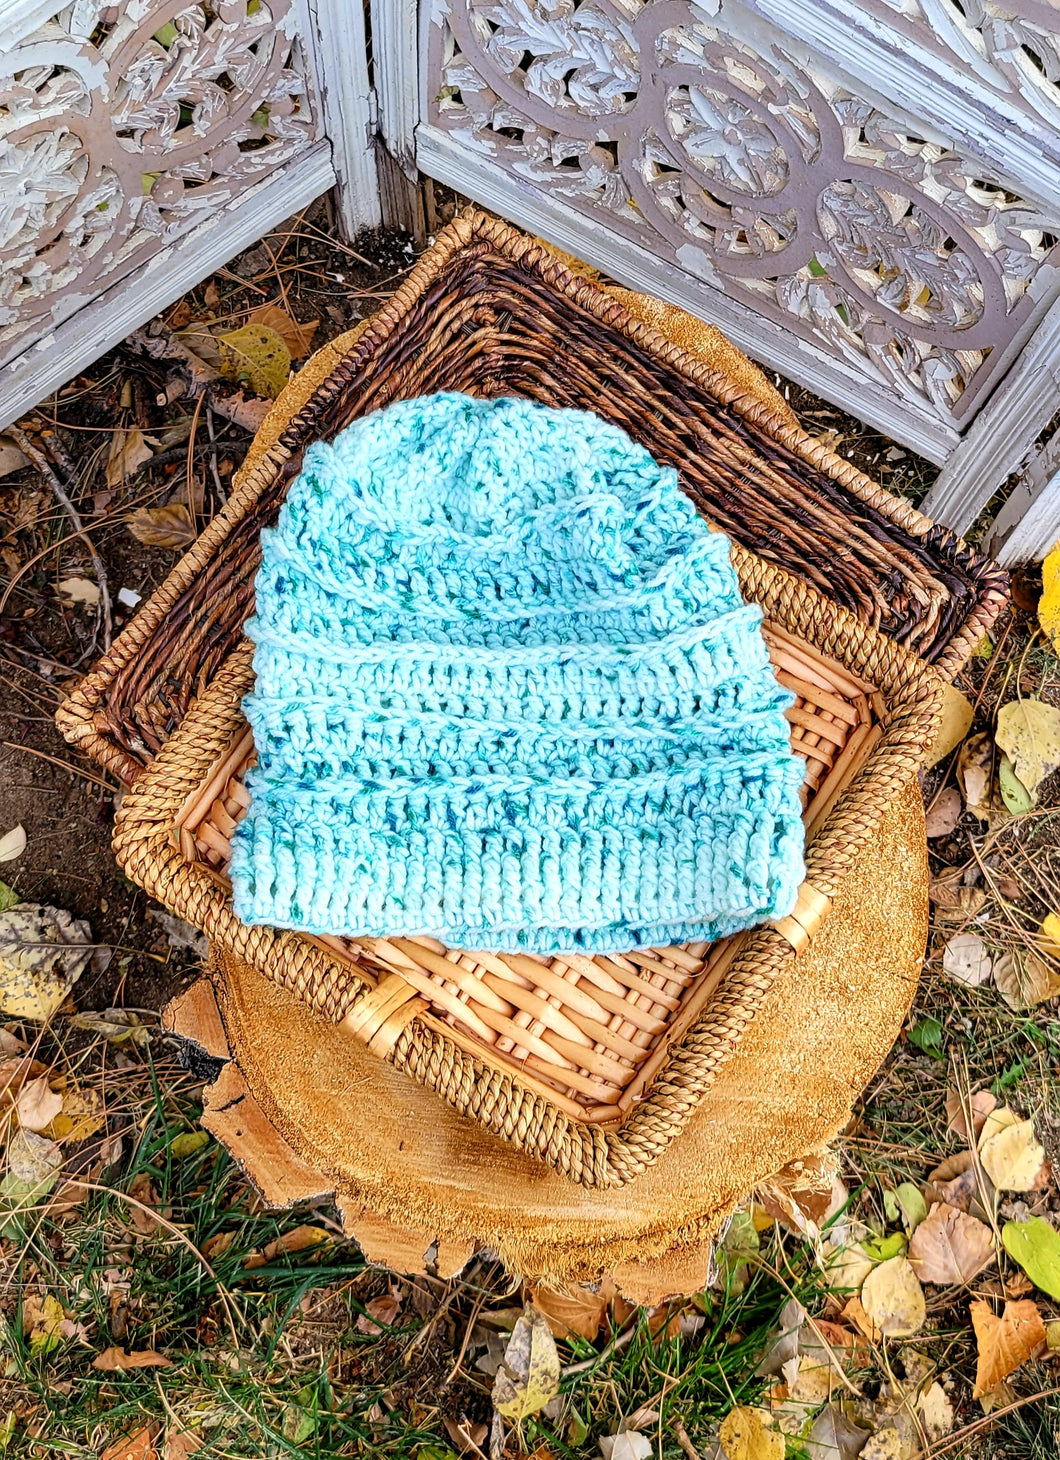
pixel 508 694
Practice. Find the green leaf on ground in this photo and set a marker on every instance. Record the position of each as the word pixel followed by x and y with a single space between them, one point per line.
pixel 1036 1247
pixel 926 1035
pixel 188 1143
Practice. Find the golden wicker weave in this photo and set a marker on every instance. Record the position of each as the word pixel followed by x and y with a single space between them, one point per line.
pixel 490 311
pixel 591 1064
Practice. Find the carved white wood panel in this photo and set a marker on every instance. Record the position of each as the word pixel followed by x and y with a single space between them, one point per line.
pixel 839 225
pixel 142 144
pixel 758 175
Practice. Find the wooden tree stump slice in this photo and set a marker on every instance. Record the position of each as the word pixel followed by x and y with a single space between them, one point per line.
pixel 306 1110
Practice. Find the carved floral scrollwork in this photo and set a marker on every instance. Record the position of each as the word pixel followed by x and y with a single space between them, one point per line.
pixel 122 125
pixel 762 177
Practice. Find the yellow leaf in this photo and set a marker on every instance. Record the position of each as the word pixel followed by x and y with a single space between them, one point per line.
pixel 1050 931
pixel 299 1239
pixel 1049 603
pixel 743 1436
pixel 257 354
pixel 1028 731
pixel 296 336
pixel 957 717
pixel 528 1376
pixel 1013 1157
pixel 998 1119
pixel 81 1116
pixel 168 527
pixel 893 1298
pixel 1004 1343
pixel 41 1322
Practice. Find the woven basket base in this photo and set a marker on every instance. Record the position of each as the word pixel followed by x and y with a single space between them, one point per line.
pixel 396 1155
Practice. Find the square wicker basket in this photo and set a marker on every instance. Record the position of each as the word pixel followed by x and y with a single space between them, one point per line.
pixel 592 1064
pixel 490 311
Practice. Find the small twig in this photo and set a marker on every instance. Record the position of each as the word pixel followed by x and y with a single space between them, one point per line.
pixel 681 1436
pixel 47 471
pixel 222 497
pixel 190 471
pixel 967 1431
pixel 618 1342
pixel 63 765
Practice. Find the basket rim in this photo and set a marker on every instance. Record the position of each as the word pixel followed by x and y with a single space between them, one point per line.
pixel 594 1156
pixel 75 717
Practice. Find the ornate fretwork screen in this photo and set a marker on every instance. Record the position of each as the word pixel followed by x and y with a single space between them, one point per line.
pixel 141 145
pixel 843 224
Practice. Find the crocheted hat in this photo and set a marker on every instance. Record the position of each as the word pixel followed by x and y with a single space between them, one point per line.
pixel 508 695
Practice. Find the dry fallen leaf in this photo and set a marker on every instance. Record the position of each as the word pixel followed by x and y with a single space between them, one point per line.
pixel 1013 1156
pixel 142 1191
pixel 743 1436
pixel 297 337
pixel 380 1313
pixel 893 1298
pixel 166 527
pixel 217 1245
pixel 528 1375
pixel 42 955
pixel 980 1105
pixel 1028 731
pixel 1024 979
pixel 628 1445
pixel 834 1437
pixel 80 590
pixel 12 843
pixel 11 458
pixel 800 1194
pixel 944 813
pixel 953 899
pixel 128 452
pixel 114 1359
pixel 966 960
pixel 580 1310
pixel 299 1239
pixel 37 1105
pixel 258 355
pixel 1004 1343
pixel 936 1412
pixel 950 1247
pixel 956 721
pixel 137 1446
pixel 975 772
pixel 180 1442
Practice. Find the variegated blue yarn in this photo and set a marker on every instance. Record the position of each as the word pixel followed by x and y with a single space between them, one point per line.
pixel 508 695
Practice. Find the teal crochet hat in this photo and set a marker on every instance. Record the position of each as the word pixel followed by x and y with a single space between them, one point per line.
pixel 508 695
